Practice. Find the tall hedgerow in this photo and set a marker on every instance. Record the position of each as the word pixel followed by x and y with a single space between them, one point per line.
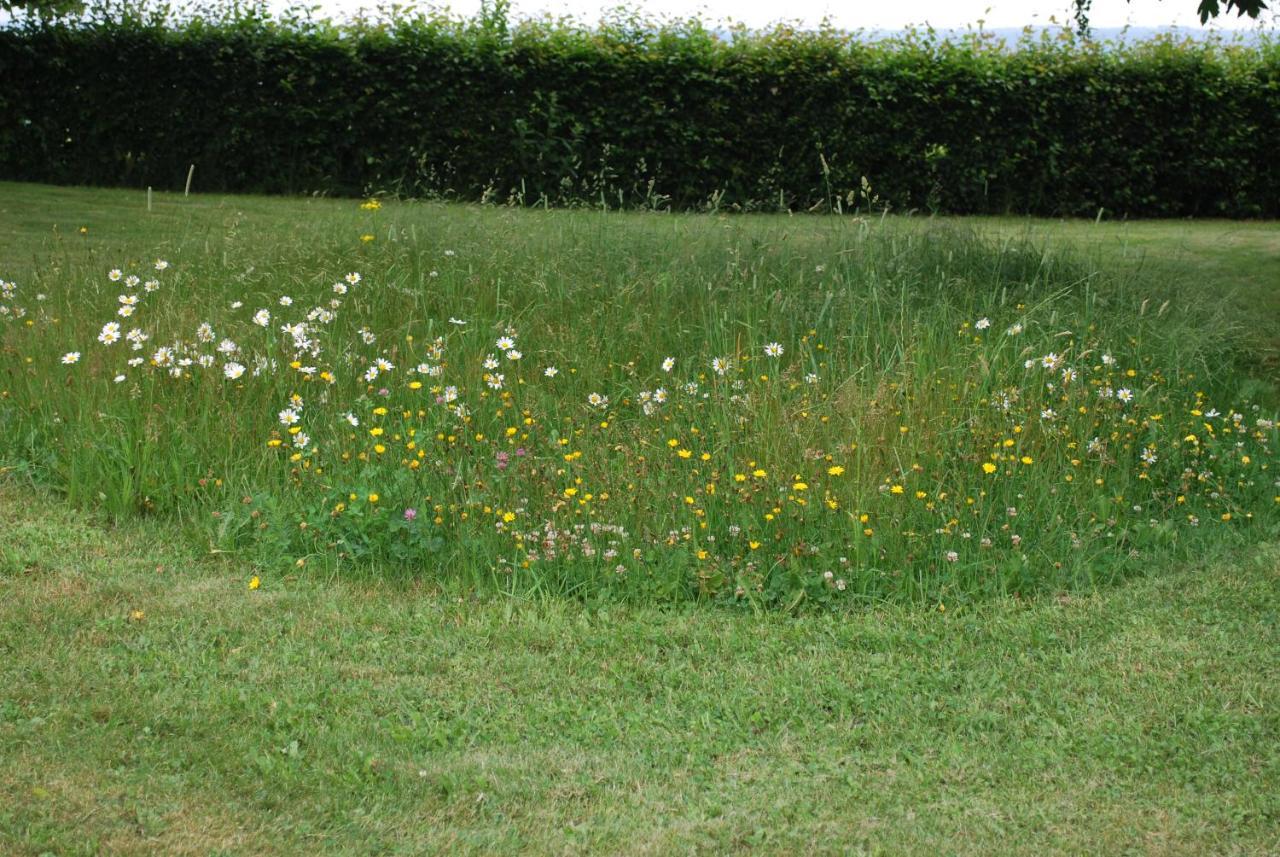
pixel 634 113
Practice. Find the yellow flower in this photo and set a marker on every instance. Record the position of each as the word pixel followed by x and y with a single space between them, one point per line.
pixel 753 545
pixel 739 477
pixel 373 498
pixel 684 453
pixel 254 582
pixel 366 238
pixel 800 486
pixel 758 473
pixel 1026 459
pixel 896 489
pixel 836 470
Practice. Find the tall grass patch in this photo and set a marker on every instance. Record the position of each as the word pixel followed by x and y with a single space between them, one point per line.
pixel 778 413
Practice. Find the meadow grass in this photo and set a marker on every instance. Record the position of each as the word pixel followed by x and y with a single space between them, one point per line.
pixel 776 412
pixel 154 704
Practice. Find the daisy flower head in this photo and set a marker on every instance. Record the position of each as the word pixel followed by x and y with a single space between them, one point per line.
pixel 982 324
pixel 204 332
pixel 352 419
pixel 596 400
pixel 233 370
pixel 285 300
pixel 505 343
pixel 668 364
pixel 110 333
pixel 1108 360
pixel 1050 361
pixel 456 321
pixel 495 381
pixel 514 354
pixel 490 363
pixel 353 278
pixel 262 317
pixel 773 349
pixel 114 275
pixel 551 371
pixel 151 286
pixel 720 365
pixel 70 357
pixel 161 265
pixel 1125 395
pixel 125 310
pixel 1015 328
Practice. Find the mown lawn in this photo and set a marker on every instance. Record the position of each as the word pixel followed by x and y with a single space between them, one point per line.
pixel 154 704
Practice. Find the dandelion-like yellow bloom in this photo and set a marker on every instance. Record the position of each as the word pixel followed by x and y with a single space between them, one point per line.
pixel 835 470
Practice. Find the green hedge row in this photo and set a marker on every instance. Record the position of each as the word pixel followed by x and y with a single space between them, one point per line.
pixel 636 115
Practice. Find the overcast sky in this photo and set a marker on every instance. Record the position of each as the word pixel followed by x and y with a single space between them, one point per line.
pixel 868 14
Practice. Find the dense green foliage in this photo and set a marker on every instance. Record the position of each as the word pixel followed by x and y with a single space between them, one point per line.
pixel 636 114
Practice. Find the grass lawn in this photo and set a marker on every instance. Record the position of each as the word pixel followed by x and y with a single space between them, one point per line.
pixel 155 703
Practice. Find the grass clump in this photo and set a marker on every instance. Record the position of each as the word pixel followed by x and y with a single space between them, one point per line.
pixel 654 409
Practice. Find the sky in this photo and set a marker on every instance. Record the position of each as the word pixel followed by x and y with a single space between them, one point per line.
pixel 867 14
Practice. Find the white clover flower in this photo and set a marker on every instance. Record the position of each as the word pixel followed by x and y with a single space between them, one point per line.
pixel 1108 360
pixel 952 556
pixel 237 304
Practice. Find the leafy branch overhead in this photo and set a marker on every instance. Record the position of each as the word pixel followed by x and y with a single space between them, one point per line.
pixel 1207 9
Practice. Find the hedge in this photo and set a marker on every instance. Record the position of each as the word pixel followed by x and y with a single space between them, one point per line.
pixel 640 115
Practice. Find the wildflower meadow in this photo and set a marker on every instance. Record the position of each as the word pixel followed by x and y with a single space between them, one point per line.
pixel 783 413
